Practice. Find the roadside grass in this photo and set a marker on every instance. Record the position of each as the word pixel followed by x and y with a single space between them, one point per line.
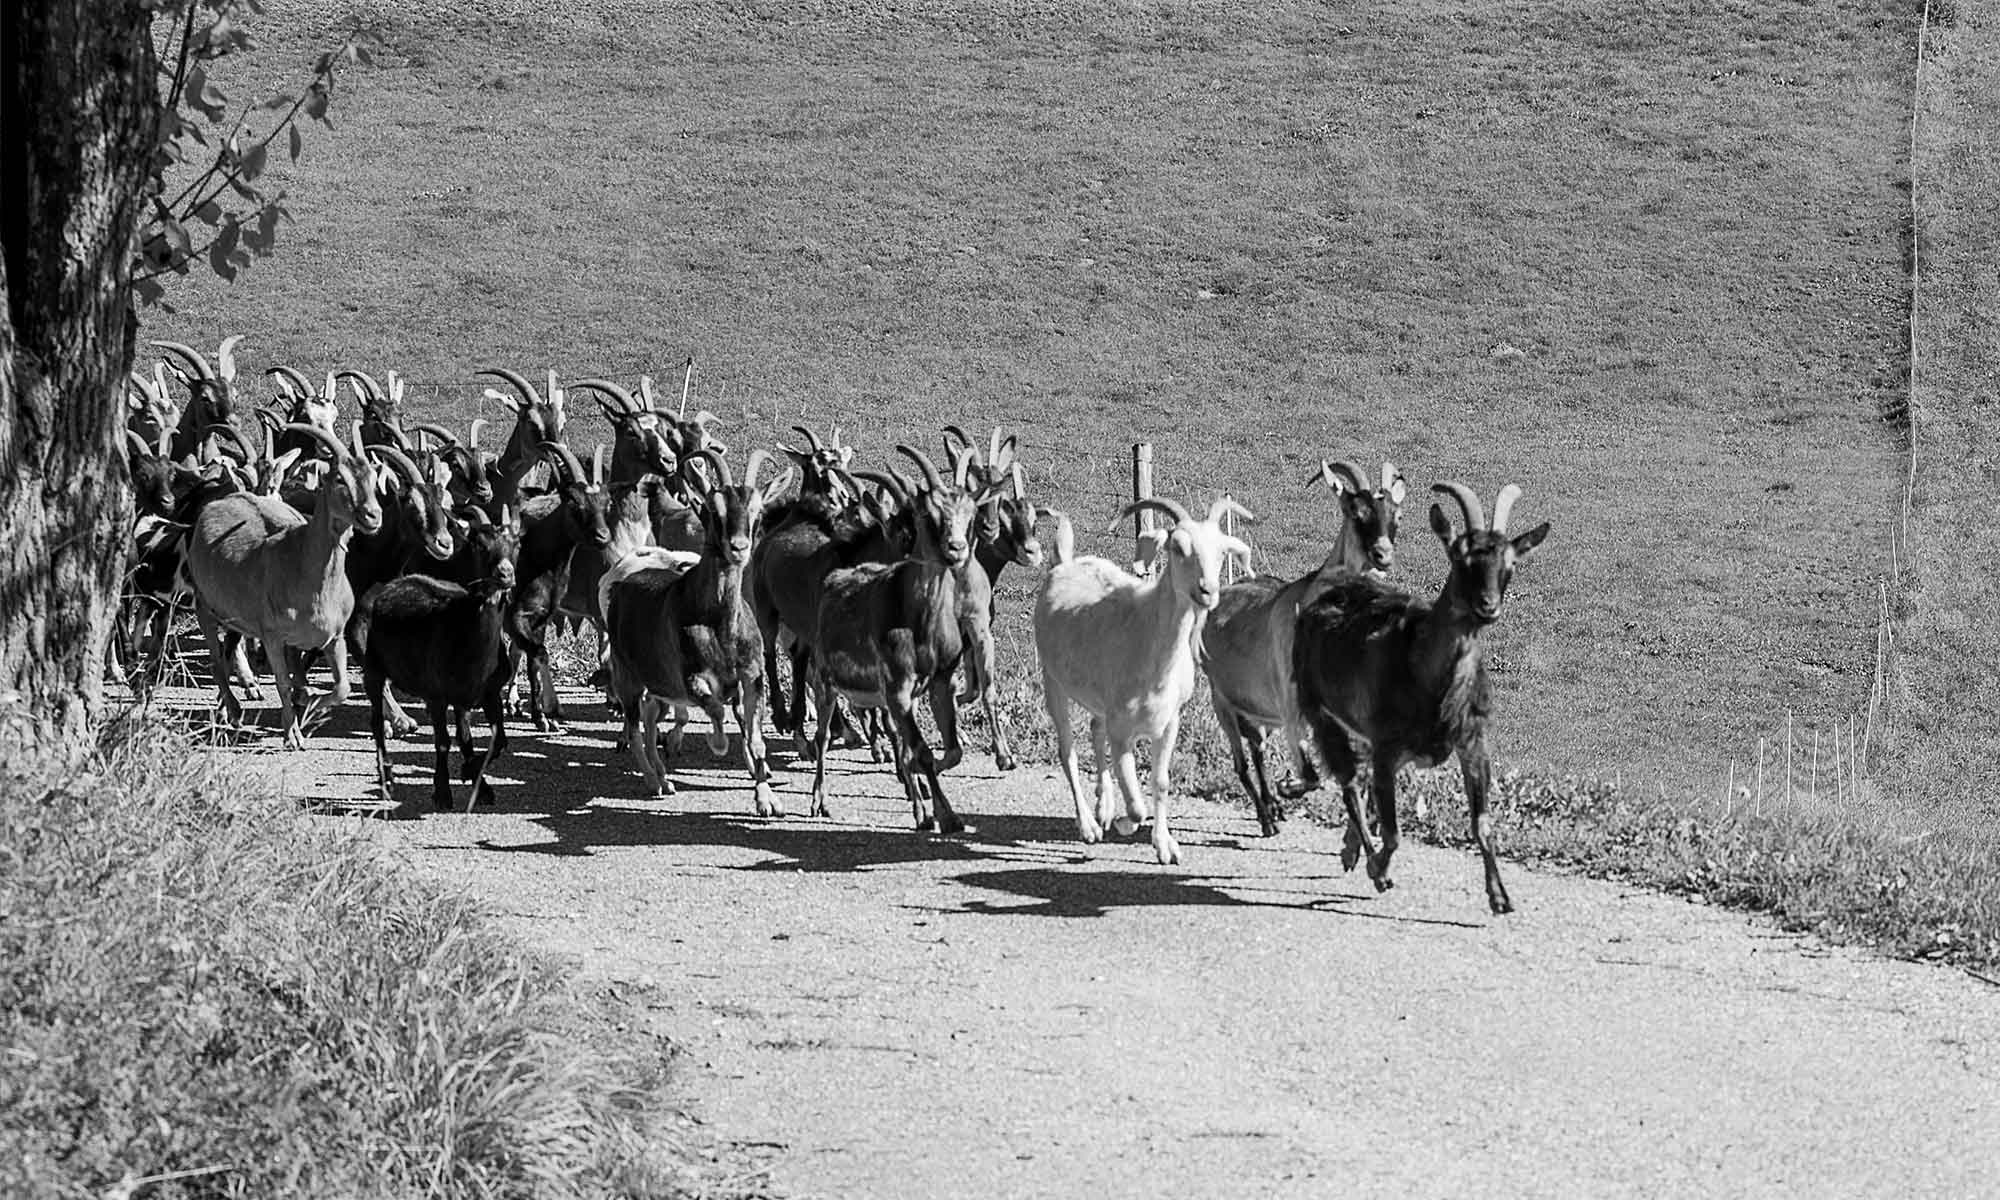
pixel 202 994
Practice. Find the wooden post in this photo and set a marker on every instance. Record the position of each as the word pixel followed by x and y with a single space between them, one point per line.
pixel 1142 489
pixel 687 385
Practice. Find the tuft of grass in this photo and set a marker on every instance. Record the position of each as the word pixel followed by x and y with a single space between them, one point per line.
pixel 1863 874
pixel 202 993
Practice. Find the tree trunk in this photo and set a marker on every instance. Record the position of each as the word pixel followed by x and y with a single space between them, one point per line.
pixel 78 123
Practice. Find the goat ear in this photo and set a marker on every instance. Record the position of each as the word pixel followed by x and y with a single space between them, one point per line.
pixel 1441 525
pixel 1397 490
pixel 1525 544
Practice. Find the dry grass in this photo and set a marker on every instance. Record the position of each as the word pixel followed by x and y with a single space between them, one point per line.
pixel 203 994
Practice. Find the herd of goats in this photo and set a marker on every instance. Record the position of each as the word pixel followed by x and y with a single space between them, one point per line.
pixel 444 567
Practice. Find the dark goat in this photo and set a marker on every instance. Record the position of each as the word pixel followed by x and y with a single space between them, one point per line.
pixel 468 479
pixel 211 394
pixel 890 631
pixel 553 528
pixel 538 420
pixel 1246 643
pixel 805 539
pixel 416 535
pixel 445 643
pixel 683 633
pixel 381 410
pixel 1373 662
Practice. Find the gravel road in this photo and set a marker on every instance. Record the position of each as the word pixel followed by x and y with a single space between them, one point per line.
pixel 1015 1014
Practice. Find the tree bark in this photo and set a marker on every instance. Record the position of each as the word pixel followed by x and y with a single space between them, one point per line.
pixel 79 114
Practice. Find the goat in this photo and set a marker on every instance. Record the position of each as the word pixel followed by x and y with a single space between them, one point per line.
pixel 538 420
pixel 381 409
pixel 805 539
pixel 1123 648
pixel 887 631
pixel 1371 661
pixel 1246 644
pixel 261 569
pixel 445 644
pixel 416 536
pixel 1003 533
pixel 554 529
pixel 466 473
pixel 211 394
pixel 684 634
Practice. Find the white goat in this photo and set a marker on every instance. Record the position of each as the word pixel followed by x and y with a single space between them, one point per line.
pixel 1124 648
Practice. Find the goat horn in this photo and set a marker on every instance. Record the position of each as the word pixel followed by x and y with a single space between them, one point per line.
pixel 931 477
pixel 716 463
pixel 1468 503
pixel 375 393
pixel 1503 506
pixel 136 447
pixel 192 357
pixel 812 439
pixel 597 466
pixel 332 444
pixel 1154 503
pixel 1020 479
pixel 271 420
pixel 225 355
pixel 289 378
pixel 625 401
pixel 646 392
pixel 953 432
pixel 443 435
pixel 472 432
pixel 993 449
pixel 959 471
pixel 354 437
pixel 516 380
pixel 231 433
pixel 1389 474
pixel 400 463
pixel 1336 471
pixel 757 459
pixel 567 457
pixel 888 481
pixel 1227 504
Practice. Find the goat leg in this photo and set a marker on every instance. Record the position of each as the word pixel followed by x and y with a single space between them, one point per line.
pixel 944 708
pixel 496 719
pixel 228 707
pixel 1385 811
pixel 823 696
pixel 1165 848
pixel 373 684
pixel 917 753
pixel 1478 772
pixel 748 711
pixel 1104 771
pixel 281 673
pixel 1088 830
pixel 1270 813
pixel 440 757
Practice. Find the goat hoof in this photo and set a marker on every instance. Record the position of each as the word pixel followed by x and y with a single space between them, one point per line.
pixel 1089 835
pixel 482 795
pixel 1004 762
pixel 1125 826
pixel 442 800
pixel 766 802
pixel 1382 882
pixel 718 744
pixel 1169 853
pixel 952 758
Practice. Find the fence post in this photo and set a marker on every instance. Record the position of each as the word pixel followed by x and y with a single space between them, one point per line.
pixel 1142 489
pixel 1229 527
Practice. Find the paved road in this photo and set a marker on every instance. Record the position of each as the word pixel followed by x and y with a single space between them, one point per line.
pixel 1014 1014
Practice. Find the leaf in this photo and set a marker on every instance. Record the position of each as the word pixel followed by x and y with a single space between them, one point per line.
pixel 220 250
pixel 176 236
pixel 253 162
pixel 150 291
pixel 209 213
pixel 279 101
pixel 298 141
pixel 267 224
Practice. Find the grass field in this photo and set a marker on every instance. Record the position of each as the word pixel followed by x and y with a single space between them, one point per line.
pixel 1643 259
pixel 1945 757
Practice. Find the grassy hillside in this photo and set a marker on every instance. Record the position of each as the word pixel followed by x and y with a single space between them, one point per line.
pixel 1642 259
pixel 1947 759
